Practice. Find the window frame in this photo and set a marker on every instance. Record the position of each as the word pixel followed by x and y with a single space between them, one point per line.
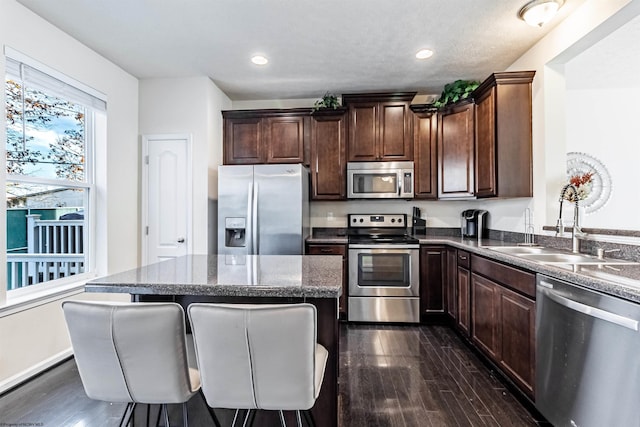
pixel 29 295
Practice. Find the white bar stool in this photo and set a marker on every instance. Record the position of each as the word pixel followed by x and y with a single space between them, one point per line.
pixel 132 353
pixel 261 356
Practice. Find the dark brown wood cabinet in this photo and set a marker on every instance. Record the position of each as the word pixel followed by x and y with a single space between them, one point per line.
pixel 463 291
pixel 242 140
pixel 456 135
pixel 284 139
pixel 334 249
pixel 380 126
pixel 485 297
pixel 265 136
pixel 432 286
pixel 503 152
pixel 329 155
pixel 451 284
pixel 503 318
pixel 425 153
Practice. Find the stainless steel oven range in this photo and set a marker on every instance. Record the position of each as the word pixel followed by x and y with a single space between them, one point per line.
pixel 383 269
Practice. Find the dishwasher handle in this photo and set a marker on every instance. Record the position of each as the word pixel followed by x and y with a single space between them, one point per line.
pixel 589 310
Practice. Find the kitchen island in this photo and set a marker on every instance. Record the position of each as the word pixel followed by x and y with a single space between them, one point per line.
pixel 255 279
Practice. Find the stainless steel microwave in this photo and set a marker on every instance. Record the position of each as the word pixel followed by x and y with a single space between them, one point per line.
pixel 380 180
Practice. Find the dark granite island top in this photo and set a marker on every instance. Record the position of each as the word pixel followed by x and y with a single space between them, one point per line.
pixel 279 276
pixel 252 279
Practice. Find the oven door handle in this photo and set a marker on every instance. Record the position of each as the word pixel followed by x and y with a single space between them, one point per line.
pixel 384 246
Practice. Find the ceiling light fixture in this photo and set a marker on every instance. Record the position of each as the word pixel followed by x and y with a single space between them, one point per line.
pixel 259 60
pixel 538 12
pixel 424 54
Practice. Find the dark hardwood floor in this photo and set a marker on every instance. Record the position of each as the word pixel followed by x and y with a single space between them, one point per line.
pixel 391 376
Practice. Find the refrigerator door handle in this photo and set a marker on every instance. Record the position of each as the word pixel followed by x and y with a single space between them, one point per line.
pixel 249 231
pixel 254 219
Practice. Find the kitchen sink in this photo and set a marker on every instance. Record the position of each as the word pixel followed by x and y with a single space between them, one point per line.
pixel 518 250
pixel 551 256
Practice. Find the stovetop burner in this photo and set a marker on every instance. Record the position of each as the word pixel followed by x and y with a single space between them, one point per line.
pixel 379 229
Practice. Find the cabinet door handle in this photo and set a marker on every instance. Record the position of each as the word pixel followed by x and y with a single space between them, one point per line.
pixel 326 251
pixel 462 258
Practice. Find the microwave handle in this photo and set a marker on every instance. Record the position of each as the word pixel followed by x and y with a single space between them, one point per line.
pixel 399 187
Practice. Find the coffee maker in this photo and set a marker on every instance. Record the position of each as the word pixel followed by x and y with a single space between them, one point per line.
pixel 473 223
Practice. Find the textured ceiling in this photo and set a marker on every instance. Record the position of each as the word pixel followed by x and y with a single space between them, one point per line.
pixel 314 46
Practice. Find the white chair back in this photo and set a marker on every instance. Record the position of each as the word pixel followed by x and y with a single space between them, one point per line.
pixel 131 352
pixel 258 356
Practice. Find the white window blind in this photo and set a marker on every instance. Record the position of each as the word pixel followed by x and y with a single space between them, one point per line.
pixel 53 85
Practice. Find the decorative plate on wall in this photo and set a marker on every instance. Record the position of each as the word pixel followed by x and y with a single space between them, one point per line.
pixel 579 164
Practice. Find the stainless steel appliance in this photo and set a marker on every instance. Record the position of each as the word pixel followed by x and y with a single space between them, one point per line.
pixel 383 269
pixel 380 180
pixel 473 223
pixel 587 346
pixel 263 209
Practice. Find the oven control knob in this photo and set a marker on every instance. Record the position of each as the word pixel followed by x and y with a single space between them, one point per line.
pixel 354 220
pixel 393 220
pixel 399 219
pixel 361 220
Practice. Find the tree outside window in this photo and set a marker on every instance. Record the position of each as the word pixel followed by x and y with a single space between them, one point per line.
pixel 47 185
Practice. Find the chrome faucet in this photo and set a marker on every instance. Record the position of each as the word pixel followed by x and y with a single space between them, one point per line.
pixel 576 231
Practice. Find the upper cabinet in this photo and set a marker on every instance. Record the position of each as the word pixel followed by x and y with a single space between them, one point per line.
pixel 484 145
pixel 425 137
pixel 380 126
pixel 265 136
pixel 503 159
pixel 456 136
pixel 328 154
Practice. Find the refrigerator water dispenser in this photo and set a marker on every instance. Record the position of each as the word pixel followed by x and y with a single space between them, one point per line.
pixel 235 232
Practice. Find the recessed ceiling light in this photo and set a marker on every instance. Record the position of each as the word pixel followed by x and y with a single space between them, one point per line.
pixel 259 60
pixel 424 54
pixel 538 12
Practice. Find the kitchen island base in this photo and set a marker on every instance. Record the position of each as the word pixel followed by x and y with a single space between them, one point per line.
pixel 325 410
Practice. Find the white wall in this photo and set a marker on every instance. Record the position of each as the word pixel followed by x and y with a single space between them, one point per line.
pixel 35 337
pixel 602 89
pixel 587 25
pixel 192 106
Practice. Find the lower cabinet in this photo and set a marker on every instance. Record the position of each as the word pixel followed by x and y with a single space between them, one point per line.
pixel 332 249
pixel 503 318
pixel 451 284
pixel 463 291
pixel 432 290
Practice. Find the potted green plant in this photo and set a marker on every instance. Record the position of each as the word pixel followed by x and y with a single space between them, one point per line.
pixel 456 91
pixel 329 100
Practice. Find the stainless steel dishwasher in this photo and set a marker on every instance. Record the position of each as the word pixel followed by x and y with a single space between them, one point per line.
pixel 587 356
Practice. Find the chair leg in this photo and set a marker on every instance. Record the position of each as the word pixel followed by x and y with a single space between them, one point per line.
pixel 126 416
pixel 166 415
pixel 283 423
pixel 235 417
pixel 212 413
pixel 159 415
pixel 253 417
pixel 247 416
pixel 309 417
pixel 185 418
pixel 298 419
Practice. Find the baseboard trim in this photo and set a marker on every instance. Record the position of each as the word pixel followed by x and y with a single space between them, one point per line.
pixel 34 370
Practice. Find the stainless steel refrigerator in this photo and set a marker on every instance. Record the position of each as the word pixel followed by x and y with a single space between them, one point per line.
pixel 263 209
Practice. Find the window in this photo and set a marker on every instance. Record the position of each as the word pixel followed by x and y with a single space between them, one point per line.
pixel 49 175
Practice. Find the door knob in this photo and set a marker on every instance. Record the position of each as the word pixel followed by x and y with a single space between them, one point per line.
pixel 180 239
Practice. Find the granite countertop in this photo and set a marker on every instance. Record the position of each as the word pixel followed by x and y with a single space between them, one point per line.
pixel 318 276
pixel 618 280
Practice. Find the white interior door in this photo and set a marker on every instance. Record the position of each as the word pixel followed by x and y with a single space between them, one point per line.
pixel 167 199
